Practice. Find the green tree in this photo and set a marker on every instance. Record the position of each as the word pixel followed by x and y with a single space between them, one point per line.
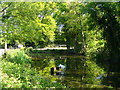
pixel 71 18
pixel 28 21
pixel 106 16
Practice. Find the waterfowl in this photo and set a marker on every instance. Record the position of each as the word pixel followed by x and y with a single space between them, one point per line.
pixel 61 66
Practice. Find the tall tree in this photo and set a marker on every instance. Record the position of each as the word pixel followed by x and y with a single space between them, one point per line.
pixel 106 16
pixel 71 18
pixel 28 21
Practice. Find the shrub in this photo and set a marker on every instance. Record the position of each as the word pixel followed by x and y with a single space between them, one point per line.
pixel 18 56
pixel 18 73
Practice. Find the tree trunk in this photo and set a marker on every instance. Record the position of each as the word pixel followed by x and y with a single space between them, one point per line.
pixel 68 45
pixel 77 46
pixel 5 45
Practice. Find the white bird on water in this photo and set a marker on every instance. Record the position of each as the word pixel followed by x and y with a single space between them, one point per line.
pixel 61 66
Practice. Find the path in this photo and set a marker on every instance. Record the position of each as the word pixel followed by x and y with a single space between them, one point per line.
pixel 57 48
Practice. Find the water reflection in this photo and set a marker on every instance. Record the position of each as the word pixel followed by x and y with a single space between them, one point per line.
pixel 79 72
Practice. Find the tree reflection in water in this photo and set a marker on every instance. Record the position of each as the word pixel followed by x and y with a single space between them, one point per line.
pixel 79 72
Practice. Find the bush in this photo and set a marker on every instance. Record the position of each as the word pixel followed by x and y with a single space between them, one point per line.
pixel 18 73
pixel 17 56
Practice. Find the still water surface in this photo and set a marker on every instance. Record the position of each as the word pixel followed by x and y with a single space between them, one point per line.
pixel 79 72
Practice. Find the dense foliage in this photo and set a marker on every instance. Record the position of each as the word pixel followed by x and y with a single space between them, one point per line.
pixel 17 72
pixel 106 17
pixel 28 22
pixel 88 28
pixel 92 26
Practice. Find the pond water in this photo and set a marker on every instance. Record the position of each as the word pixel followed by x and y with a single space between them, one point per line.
pixel 78 72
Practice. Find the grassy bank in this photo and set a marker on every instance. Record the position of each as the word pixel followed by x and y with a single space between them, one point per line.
pixel 18 73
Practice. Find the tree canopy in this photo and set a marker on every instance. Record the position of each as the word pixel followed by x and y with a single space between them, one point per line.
pixel 90 28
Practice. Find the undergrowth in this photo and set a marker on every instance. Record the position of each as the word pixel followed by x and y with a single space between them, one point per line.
pixel 18 73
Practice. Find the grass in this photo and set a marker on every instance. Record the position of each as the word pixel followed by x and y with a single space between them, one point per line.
pixel 18 73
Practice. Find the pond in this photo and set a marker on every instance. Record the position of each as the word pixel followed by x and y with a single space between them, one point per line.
pixel 78 72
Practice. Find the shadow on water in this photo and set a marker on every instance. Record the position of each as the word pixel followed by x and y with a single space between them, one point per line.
pixel 79 71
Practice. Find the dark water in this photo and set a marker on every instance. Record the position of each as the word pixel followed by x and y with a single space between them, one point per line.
pixel 79 72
